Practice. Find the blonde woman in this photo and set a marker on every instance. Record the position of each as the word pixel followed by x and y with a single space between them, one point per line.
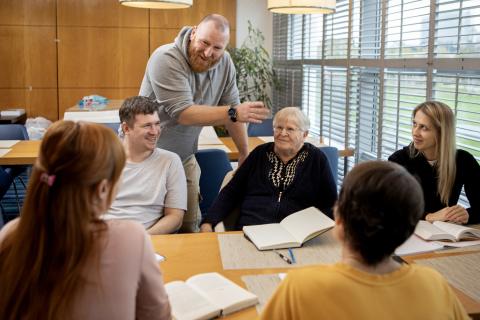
pixel 441 168
pixel 59 260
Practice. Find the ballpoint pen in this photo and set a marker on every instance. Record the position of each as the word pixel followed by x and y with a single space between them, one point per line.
pixel 285 258
pixel 292 257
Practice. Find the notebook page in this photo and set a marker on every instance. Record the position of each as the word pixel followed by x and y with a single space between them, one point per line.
pixel 187 303
pixel 221 291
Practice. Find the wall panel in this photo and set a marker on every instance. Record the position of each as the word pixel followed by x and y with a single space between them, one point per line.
pixel 54 52
pixel 104 58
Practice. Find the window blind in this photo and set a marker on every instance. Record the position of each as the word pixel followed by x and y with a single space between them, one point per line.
pixel 358 73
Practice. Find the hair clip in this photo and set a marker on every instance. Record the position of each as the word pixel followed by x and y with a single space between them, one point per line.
pixel 48 179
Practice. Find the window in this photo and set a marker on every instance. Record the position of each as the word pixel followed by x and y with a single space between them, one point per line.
pixel 358 73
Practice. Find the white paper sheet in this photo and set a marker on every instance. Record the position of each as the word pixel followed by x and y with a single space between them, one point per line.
pixel 208 136
pixel 4 152
pixel 214 146
pixel 415 245
pixel 7 143
pixel 106 116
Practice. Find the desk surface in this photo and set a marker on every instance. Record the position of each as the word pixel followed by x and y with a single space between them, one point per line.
pixel 23 152
pixel 190 254
pixel 26 152
pixel 253 142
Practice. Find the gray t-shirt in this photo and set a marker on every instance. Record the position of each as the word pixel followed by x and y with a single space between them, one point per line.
pixel 149 186
pixel 169 79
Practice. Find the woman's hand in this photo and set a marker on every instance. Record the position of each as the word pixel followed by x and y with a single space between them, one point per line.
pixel 453 214
pixel 206 227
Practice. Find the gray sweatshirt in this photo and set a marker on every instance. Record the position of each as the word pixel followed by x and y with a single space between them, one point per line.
pixel 169 79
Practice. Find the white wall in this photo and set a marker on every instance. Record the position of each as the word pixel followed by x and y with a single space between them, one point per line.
pixel 255 11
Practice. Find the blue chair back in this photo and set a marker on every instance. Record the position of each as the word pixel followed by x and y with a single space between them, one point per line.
pixel 332 156
pixel 214 164
pixel 263 129
pixel 114 126
pixel 5 181
pixel 13 132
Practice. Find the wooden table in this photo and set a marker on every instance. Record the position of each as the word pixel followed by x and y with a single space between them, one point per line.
pixel 23 152
pixel 26 152
pixel 253 142
pixel 190 254
pixel 472 306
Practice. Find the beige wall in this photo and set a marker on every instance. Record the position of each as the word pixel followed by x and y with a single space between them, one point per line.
pixel 54 52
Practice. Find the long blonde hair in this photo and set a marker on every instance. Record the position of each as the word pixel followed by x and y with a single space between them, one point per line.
pixel 443 120
pixel 59 232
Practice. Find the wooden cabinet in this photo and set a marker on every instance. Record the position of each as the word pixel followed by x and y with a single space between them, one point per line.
pixel 54 52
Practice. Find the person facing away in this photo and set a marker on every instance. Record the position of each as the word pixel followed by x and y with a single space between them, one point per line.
pixel 277 179
pixel 59 260
pixel 153 188
pixel 440 168
pixel 193 79
pixel 378 207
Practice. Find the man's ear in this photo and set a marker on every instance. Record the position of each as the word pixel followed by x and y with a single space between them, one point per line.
pixel 305 134
pixel 125 127
pixel 192 34
pixel 338 231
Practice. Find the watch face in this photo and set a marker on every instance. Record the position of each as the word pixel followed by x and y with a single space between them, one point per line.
pixel 232 113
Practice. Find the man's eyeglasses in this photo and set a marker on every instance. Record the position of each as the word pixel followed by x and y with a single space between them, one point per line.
pixel 289 131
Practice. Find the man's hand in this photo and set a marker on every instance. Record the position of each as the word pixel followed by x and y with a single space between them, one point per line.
pixel 206 227
pixel 454 214
pixel 253 112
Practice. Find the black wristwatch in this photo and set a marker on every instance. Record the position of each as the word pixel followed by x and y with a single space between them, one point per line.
pixel 232 113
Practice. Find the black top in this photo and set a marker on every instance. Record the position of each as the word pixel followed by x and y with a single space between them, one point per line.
pixel 468 176
pixel 261 201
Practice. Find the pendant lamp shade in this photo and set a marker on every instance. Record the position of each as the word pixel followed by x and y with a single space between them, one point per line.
pixel 158 4
pixel 302 6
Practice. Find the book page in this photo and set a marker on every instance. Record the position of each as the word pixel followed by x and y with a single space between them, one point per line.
pixel 428 231
pixel 269 236
pixel 458 231
pixel 187 303
pixel 222 292
pixel 302 224
pixel 415 244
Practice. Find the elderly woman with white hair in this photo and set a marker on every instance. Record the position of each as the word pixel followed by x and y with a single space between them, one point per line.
pixel 277 179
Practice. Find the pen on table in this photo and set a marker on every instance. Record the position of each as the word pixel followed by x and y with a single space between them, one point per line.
pixel 292 257
pixel 285 258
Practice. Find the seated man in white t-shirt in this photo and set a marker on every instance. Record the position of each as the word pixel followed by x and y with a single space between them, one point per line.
pixel 153 188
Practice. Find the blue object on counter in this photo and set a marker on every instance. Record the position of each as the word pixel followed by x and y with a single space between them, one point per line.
pixel 93 102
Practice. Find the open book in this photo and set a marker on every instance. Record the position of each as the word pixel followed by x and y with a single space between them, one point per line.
pixel 291 232
pixel 439 230
pixel 206 296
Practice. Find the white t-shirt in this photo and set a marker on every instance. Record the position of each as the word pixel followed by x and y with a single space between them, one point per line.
pixel 149 186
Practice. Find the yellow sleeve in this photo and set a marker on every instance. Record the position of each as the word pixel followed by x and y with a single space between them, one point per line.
pixel 281 304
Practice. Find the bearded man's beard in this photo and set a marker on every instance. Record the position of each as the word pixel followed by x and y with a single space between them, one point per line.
pixel 197 63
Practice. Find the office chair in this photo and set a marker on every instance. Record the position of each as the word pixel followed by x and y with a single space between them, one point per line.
pixel 114 126
pixel 14 132
pixel 332 156
pixel 214 164
pixel 263 129
pixel 5 181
